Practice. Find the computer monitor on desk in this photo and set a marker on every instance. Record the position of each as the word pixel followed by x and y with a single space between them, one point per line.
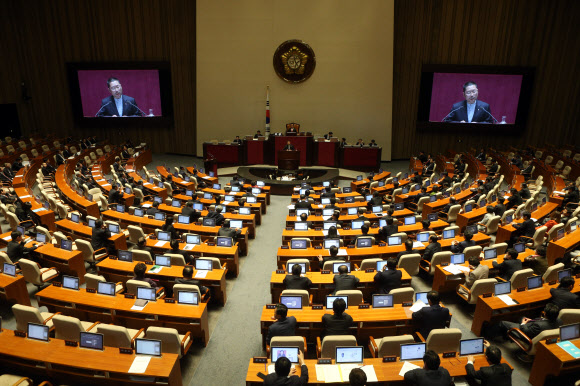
pixel 503 288
pixel 570 332
pixel 106 288
pixel 382 301
pixel 9 269
pixel 330 242
pixel 422 296
pixel 70 282
pixel 288 352
pixel 204 264
pixel 91 340
pixel 150 347
pixel 292 302
pixel 410 220
pixel 412 352
pixel 534 282
pixel 564 273
pixel 146 293
pixel 330 299
pixel 471 346
pixel 490 254
pixel 187 297
pixel 291 265
pixel 37 332
pixel 336 266
pixel 353 354
pixel 448 234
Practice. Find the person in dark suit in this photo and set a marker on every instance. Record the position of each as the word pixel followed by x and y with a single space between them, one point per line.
pixel 16 249
pixel 357 377
pixel 295 281
pixel 142 245
pixel 452 201
pixel 168 227
pixel 510 264
pixel 514 200
pixel 118 105
pixel 389 278
pixel 115 195
pixel 361 214
pixel 217 215
pixel 59 158
pixel 302 203
pixel 432 248
pixel 139 272
pixel 152 209
pixel 284 374
pixel 499 209
pixel 530 327
pixel 327 193
pixel 283 325
pixel 375 201
pixel 333 251
pixel 329 135
pixel 225 230
pixel 100 235
pixel 188 279
pixel 338 323
pixel 188 210
pixel 389 229
pixel 344 281
pixel 524 229
pixel 432 374
pixel 289 146
pixel 563 297
pixel 432 317
pixel 459 247
pixel 237 141
pixel 525 192
pixel 470 110
pixel 422 157
pixel 572 195
pixel 174 244
pixel 258 134
pixel 497 374
pixel 408 250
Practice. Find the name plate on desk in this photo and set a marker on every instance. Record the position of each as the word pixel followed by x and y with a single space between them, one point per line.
pixel 444 264
pixel 369 270
pixel 20 334
pixel 129 296
pixel 91 291
pixel 280 271
pixel 270 306
pixel 487 295
pixel 553 282
pixel 391 358
pixel 450 354
pixel 521 289
pixel 325 272
pixel 70 343
pixel 363 306
pixel 318 247
pixel 577 276
pixel 125 350
pixel 288 228
pixel 407 304
pixel 285 247
pixel 324 361
pixel 382 244
pixel 56 284
pixel 260 359
pixel 169 300
pixel 551 340
pixel 211 244
pixel 148 262
pixel 350 246
pixel 111 257
pixel 317 307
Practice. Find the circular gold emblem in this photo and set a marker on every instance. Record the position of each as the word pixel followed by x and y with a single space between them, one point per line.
pixel 294 61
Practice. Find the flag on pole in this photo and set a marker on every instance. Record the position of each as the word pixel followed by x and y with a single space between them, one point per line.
pixel 267 110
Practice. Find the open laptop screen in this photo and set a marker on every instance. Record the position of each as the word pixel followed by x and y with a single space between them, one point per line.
pixel 292 302
pixel 422 296
pixel 146 293
pixel 413 351
pixel 148 347
pixel 357 224
pixel 113 228
pixel 159 216
pixel 300 226
pixel 291 265
pixel 423 237
pixel 335 266
pixel 328 224
pixel 399 206
pixel 106 288
pixel 448 234
pixel 9 269
pixel 163 236
pixel 330 299
pixel 37 332
pixel 66 245
pixel 298 244
pixel 564 273
pixel 164 261
pixel 187 297
pixel 350 354
pixel 139 212
pixel 244 211
pixel 223 241
pixel 411 220
pixel 364 242
pixel 288 352
pixel 91 341
pixel 519 247
pixel 534 282
pixel 192 239
pixel 570 332
pixel 394 240
pixel 236 224
pixel 503 288
pixel 471 346
pixel 382 301
pixel 208 222
pixel 203 264
pixel 70 282
pixel 490 254
pixel 458 258
pixel 74 217
pixel 330 242
pixel 183 219
pixel 125 256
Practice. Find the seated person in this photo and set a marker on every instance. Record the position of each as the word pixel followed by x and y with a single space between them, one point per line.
pixel 365 232
pixel 142 245
pixel 426 224
pixel 100 235
pixel 477 271
pixel 432 317
pixel 498 374
pixel 338 323
pixel 563 297
pixel 217 215
pixel 389 278
pixel 538 261
pixel 375 201
pixel 389 229
pixel 258 134
pixel 168 227
pixel 359 142
pixel 332 234
pixel 452 202
pixel 139 271
pixel 421 194
pixel 361 214
pixel 510 264
pixel 237 141
pixel 283 325
pixel 333 251
pixel 525 229
pixel 188 210
pixel 302 203
pixel 225 230
pixel 531 327
pixel 431 373
pixel 514 200
pixel 174 244
pixel 490 212
pixel 408 249
pixel 555 218
pixel 296 281
pixel 304 218
pixel 284 374
pixel 188 279
pixel 344 281
pixel 467 242
pixel 525 192
pixel 357 377
pixel 16 249
pixel 433 247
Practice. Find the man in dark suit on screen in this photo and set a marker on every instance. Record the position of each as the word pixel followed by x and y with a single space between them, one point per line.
pixel 118 105
pixel 470 110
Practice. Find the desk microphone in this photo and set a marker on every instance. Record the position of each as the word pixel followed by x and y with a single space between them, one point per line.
pixel 452 111
pixel 481 108
pixel 134 105
pixel 102 107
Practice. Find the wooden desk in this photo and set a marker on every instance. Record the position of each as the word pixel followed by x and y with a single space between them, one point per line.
pixel 182 183
pixel 23 182
pixel 207 178
pixel 68 262
pixel 504 233
pixel 552 360
pixel 358 185
pixel 558 248
pixel 121 271
pixel 493 309
pixel 76 201
pixel 13 289
pixel 225 254
pixel 97 174
pixel 367 322
pixel 74 365
pixel 84 232
pixel 437 206
pixel 444 281
pixel 387 373
pixel 117 310
pixel 465 219
pixel 323 284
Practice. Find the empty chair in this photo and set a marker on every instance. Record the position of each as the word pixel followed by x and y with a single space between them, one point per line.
pixel 527 345
pixel 171 341
pixel 288 341
pixel 492 225
pixel 410 263
pixel 17 380
pixel 388 346
pixel 569 316
pixel 306 297
pixel 89 255
pixel 27 314
pixel 551 273
pixel 327 349
pixel 402 295
pixel 35 274
pixel 300 261
pixel 438 258
pixel 479 287
pixel 473 251
pixel 443 340
pixel 69 328
pixel 4 258
pixel 139 255
pixel 118 336
pixel 537 239
pixel 355 297
pixel 553 232
pixel 92 281
pixel 369 263
pixel 519 278
pixel 176 259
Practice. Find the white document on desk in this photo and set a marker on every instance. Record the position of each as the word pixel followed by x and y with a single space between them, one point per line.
pixel 160 243
pixel 507 300
pixel 332 374
pixel 200 274
pixel 188 247
pixel 342 252
pixel 407 366
pixel 326 218
pixel 139 365
pixel 272 368
pixel 418 244
pixel 319 372
pixel 146 206
pixel 452 269
pixel 21 197
pixel 370 372
pixel 291 207
pixel 417 306
pixel 463 268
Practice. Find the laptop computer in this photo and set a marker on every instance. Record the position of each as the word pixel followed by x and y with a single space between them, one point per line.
pixel 410 220
pixel 290 266
pixel 300 226
pixel 330 242
pixel 139 212
pixel 204 264
pixel 74 217
pixel 287 352
pixel 471 346
pixel 335 266
pixel 534 282
pixel 422 296
pixel 412 351
pixel 70 282
pixel 193 239
pixel 448 234
pixel 208 222
pixel 328 224
pixel 66 245
pixel 150 347
pixel 37 332
pixel 382 301
pixel 146 293
pixel 433 217
pixel 120 208
pixel 41 237
pixel 364 242
pixel 301 211
pixel 394 240
pixel 163 261
pixel 352 211
pixel 91 340
pixel 564 273
pixel 292 302
pixel 223 241
pixel 353 354
pixel 9 269
pixel 298 244
pixel 423 237
pixel 381 264
pixel 106 288
pixel 163 236
pixel 458 258
pixel 187 297
pixel 570 332
pixel 502 288
pixel 114 228
pixel 125 255
pixel 244 211
pixel 330 299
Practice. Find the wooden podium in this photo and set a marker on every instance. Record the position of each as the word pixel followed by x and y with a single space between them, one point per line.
pixel 288 159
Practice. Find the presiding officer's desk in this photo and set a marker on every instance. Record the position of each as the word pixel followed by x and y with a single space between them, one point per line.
pixel 552 360
pixel 227 255
pixel 13 289
pixel 357 255
pixel 368 322
pixel 387 373
pixel 121 271
pixel 78 366
pixel 117 310
pixel 444 281
pixel 85 232
pixel 323 284
pixel 531 302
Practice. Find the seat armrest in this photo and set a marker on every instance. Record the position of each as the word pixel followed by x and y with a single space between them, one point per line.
pixel 187 335
pixel 136 335
pixel 373 347
pixel 310 300
pixel 318 347
pixel 93 326
pixel 500 279
pixel 268 349
pixel 420 336
pixel 50 317
pixel 160 293
pixel 522 340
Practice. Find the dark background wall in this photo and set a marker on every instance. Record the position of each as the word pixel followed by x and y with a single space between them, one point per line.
pixel 38 37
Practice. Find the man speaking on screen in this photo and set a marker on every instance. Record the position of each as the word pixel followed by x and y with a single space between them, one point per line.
pixel 118 105
pixel 470 110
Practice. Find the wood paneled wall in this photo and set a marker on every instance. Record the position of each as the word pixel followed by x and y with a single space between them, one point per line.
pixel 535 33
pixel 38 37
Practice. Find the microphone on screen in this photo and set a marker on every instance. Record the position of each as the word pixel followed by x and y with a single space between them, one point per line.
pixel 489 114
pixel 102 107
pixel 134 105
pixel 452 111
